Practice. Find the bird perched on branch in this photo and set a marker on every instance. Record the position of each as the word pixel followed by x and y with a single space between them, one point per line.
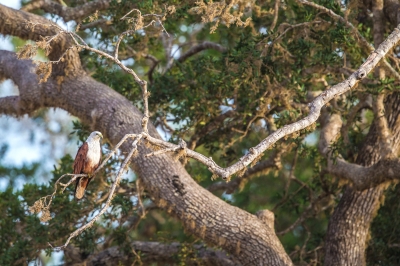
pixel 86 162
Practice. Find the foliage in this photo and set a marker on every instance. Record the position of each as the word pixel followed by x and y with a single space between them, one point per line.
pixel 263 81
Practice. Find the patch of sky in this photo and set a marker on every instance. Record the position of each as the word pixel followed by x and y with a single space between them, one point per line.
pixel 128 62
pixel 311 139
pixel 263 30
pixel 228 197
pixel 175 51
pixel 226 108
pixel 339 52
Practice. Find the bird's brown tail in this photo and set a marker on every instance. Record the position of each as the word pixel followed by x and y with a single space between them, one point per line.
pixel 81 185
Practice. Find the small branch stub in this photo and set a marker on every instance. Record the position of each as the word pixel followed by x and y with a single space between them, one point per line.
pixel 361 74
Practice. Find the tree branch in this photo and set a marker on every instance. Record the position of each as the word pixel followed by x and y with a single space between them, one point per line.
pixel 387 169
pixel 229 187
pixel 162 253
pixel 68 13
pixel 366 177
pixel 15 106
pixel 201 47
pixel 214 124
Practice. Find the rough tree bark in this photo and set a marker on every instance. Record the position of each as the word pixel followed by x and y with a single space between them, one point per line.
pixel 348 230
pixel 151 252
pixel 236 231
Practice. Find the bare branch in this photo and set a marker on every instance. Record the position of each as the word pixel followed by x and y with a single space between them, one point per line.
pixel 214 124
pixel 162 151
pixel 310 210
pixel 291 27
pixel 201 47
pixel 288 181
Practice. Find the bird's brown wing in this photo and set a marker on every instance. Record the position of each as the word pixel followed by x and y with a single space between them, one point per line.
pixel 80 159
pixel 79 165
pixel 83 182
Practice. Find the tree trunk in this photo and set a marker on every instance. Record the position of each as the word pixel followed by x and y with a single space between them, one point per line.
pixel 348 230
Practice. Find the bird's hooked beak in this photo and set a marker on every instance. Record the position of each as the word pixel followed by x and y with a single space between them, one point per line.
pixel 100 135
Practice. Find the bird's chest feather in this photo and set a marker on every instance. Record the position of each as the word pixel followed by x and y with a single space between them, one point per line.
pixel 93 155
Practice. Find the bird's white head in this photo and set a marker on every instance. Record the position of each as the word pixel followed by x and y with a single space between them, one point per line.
pixel 95 135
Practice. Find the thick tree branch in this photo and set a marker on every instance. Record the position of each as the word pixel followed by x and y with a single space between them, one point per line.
pixel 161 253
pixel 69 13
pixel 382 127
pixel 361 177
pixel 14 106
pixel 276 13
pixel 32 27
pixel 367 177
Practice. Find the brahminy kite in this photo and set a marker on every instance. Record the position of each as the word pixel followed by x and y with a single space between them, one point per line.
pixel 86 162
